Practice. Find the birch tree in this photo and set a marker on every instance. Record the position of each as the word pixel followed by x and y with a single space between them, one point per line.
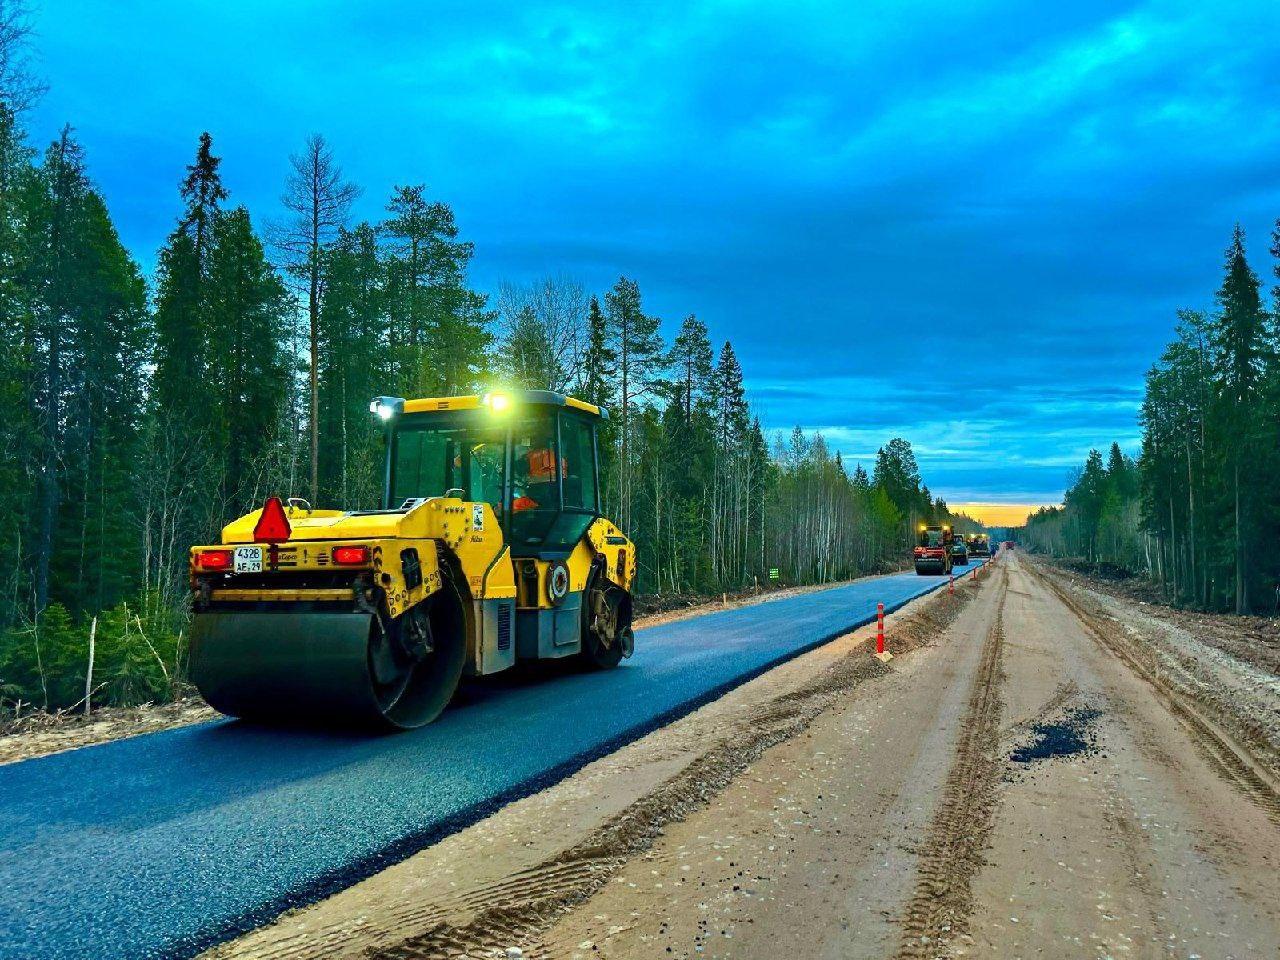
pixel 318 198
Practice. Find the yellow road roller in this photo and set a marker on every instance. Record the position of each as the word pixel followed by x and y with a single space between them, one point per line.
pixel 490 549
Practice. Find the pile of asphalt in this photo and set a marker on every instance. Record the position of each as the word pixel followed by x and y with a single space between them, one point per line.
pixel 1076 733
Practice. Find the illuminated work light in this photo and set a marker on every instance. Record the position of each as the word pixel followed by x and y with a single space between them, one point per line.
pixel 497 402
pixel 386 407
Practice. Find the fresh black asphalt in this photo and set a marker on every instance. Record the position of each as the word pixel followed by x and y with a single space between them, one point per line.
pixel 164 844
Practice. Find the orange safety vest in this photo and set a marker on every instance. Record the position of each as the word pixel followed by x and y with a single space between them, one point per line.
pixel 542 466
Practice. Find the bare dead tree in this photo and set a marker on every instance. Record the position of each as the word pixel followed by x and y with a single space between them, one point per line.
pixel 558 307
pixel 20 84
pixel 319 201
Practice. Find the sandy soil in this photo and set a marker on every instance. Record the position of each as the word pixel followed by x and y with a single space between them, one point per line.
pixel 1119 830
pixel 1192 664
pixel 1027 778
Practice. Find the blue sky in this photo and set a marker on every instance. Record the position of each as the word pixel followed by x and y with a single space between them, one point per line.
pixel 970 229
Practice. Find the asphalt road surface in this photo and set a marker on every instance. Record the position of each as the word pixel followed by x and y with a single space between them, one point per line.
pixel 161 845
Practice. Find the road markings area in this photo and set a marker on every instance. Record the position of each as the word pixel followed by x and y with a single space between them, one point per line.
pixel 1009 786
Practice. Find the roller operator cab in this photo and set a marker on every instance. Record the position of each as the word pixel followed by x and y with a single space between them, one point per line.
pixel 490 548
pixel 933 550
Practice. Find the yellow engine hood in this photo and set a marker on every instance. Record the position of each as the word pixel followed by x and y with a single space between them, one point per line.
pixel 438 518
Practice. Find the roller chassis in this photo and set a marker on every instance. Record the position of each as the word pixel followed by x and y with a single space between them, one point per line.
pixel 304 641
pixel 932 567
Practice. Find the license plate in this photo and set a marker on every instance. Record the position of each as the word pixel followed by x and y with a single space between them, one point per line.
pixel 248 560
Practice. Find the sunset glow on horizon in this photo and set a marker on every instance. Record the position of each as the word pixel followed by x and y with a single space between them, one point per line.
pixel 999 514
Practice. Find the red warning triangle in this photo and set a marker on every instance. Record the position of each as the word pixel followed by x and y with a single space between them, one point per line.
pixel 273 525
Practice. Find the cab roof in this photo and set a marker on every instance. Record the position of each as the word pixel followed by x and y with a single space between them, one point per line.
pixel 524 398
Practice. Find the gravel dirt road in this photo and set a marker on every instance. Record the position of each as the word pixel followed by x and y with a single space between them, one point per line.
pixel 1027 778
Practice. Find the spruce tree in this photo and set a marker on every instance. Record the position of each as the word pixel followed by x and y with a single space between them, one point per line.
pixel 109 349
pixel 599 363
pixel 897 473
pixel 248 321
pixel 19 430
pixel 182 321
pixel 1239 340
pixel 692 358
pixel 598 384
pixel 439 328
pixel 354 366
pixel 730 397
pixel 60 222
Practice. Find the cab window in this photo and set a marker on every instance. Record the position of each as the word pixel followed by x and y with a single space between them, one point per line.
pixel 548 454
pixel 535 468
pixel 443 454
pixel 578 457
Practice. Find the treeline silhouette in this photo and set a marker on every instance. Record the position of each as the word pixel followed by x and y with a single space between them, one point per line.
pixel 1199 512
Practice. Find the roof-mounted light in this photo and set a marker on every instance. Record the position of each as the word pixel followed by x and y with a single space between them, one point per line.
pixel 386 408
pixel 497 401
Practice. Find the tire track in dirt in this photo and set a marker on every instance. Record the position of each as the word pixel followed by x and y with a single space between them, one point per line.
pixel 1232 760
pixel 518 909
pixel 952 852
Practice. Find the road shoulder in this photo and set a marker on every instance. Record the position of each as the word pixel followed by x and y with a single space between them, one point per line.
pixel 1116 833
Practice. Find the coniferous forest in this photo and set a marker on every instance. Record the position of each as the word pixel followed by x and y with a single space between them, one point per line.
pixel 146 409
pixel 1199 510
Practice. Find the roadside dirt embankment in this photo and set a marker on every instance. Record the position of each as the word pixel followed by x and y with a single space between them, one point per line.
pixel 1252 639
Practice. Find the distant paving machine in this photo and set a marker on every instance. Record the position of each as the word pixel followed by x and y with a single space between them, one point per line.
pixel 490 549
pixel 933 550
pixel 979 544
